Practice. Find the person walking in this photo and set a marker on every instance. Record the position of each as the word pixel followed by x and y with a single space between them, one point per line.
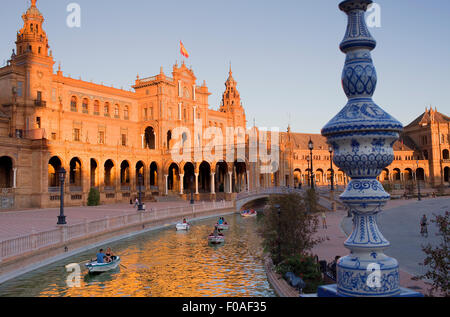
pixel 424 226
pixel 324 220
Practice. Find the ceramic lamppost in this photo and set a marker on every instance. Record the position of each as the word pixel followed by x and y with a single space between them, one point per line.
pixel 362 136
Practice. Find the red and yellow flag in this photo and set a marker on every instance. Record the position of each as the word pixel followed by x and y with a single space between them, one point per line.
pixel 183 50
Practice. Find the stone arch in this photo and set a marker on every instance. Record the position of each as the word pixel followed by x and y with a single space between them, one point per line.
pixel 150 138
pixel 221 176
pixel 189 176
pixel 239 176
pixel 75 172
pixel 408 174
pixel 140 169
pixel 109 177
pixel 153 174
pixel 447 174
pixel 396 174
pixel 297 177
pixel 94 172
pixel 384 176
pixel 318 177
pixel 173 179
pixel 204 181
pixel 125 174
pixel 54 165
pixel 6 172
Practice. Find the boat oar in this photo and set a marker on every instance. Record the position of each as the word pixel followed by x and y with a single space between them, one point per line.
pixel 123 266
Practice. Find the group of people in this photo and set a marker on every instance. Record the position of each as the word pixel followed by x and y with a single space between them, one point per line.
pixel 106 257
pixel 217 231
pixel 136 204
pixel 222 221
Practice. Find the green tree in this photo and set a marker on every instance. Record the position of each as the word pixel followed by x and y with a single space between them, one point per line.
pixel 94 197
pixel 311 200
pixel 291 231
pixel 438 258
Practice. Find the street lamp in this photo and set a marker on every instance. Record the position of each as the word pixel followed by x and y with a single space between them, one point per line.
pixel 330 149
pixel 311 147
pixel 62 178
pixel 192 190
pixel 418 184
pixel 309 172
pixel 278 208
pixel 140 206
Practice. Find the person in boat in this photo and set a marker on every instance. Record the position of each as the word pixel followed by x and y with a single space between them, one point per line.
pixel 101 256
pixel 220 221
pixel 109 255
pixel 184 220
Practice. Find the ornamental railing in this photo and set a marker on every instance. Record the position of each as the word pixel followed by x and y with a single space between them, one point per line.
pixel 65 234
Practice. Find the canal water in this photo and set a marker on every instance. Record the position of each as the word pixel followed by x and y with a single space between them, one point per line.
pixel 164 263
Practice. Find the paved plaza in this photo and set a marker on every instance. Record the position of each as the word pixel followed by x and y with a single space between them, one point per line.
pixel 399 222
pixel 400 225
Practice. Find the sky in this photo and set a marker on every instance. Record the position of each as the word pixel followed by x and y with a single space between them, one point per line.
pixel 284 54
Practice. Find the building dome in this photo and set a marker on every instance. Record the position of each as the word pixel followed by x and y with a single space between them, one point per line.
pixel 33 10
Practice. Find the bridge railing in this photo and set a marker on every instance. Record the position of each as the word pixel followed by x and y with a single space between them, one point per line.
pixel 267 191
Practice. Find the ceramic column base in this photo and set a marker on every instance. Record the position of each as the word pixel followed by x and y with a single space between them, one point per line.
pixel 331 291
pixel 355 272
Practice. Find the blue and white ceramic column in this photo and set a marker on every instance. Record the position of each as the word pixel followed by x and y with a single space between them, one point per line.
pixel 362 136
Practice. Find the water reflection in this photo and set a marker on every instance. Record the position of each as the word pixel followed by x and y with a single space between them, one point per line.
pixel 164 263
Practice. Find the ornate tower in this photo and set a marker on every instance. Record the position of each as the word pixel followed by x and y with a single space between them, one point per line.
pixel 32 39
pixel 231 102
pixel 362 136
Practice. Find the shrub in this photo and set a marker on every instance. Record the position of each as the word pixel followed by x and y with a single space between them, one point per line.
pixel 290 232
pixel 438 258
pixel 311 200
pixel 305 267
pixel 94 197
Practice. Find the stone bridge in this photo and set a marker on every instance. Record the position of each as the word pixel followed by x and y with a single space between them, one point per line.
pixel 324 198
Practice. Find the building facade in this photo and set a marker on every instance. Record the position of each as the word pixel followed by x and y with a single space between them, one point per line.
pixel 106 137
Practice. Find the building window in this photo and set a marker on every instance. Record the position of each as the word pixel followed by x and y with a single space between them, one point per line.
pixel 101 137
pixel 38 122
pixel 124 140
pixel 19 89
pixel 96 107
pixel 53 136
pixel 85 105
pixel 145 114
pixel 76 134
pixel 106 109
pixel 116 112
pixel 126 113
pixel 73 104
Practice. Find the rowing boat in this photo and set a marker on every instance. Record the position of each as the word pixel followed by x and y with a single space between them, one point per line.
pixel 95 267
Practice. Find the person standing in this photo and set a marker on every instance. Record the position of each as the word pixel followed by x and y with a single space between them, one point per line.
pixel 324 220
pixel 423 226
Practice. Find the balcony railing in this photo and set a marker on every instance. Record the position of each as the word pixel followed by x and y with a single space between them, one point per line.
pixel 76 189
pixel 40 103
pixel 125 187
